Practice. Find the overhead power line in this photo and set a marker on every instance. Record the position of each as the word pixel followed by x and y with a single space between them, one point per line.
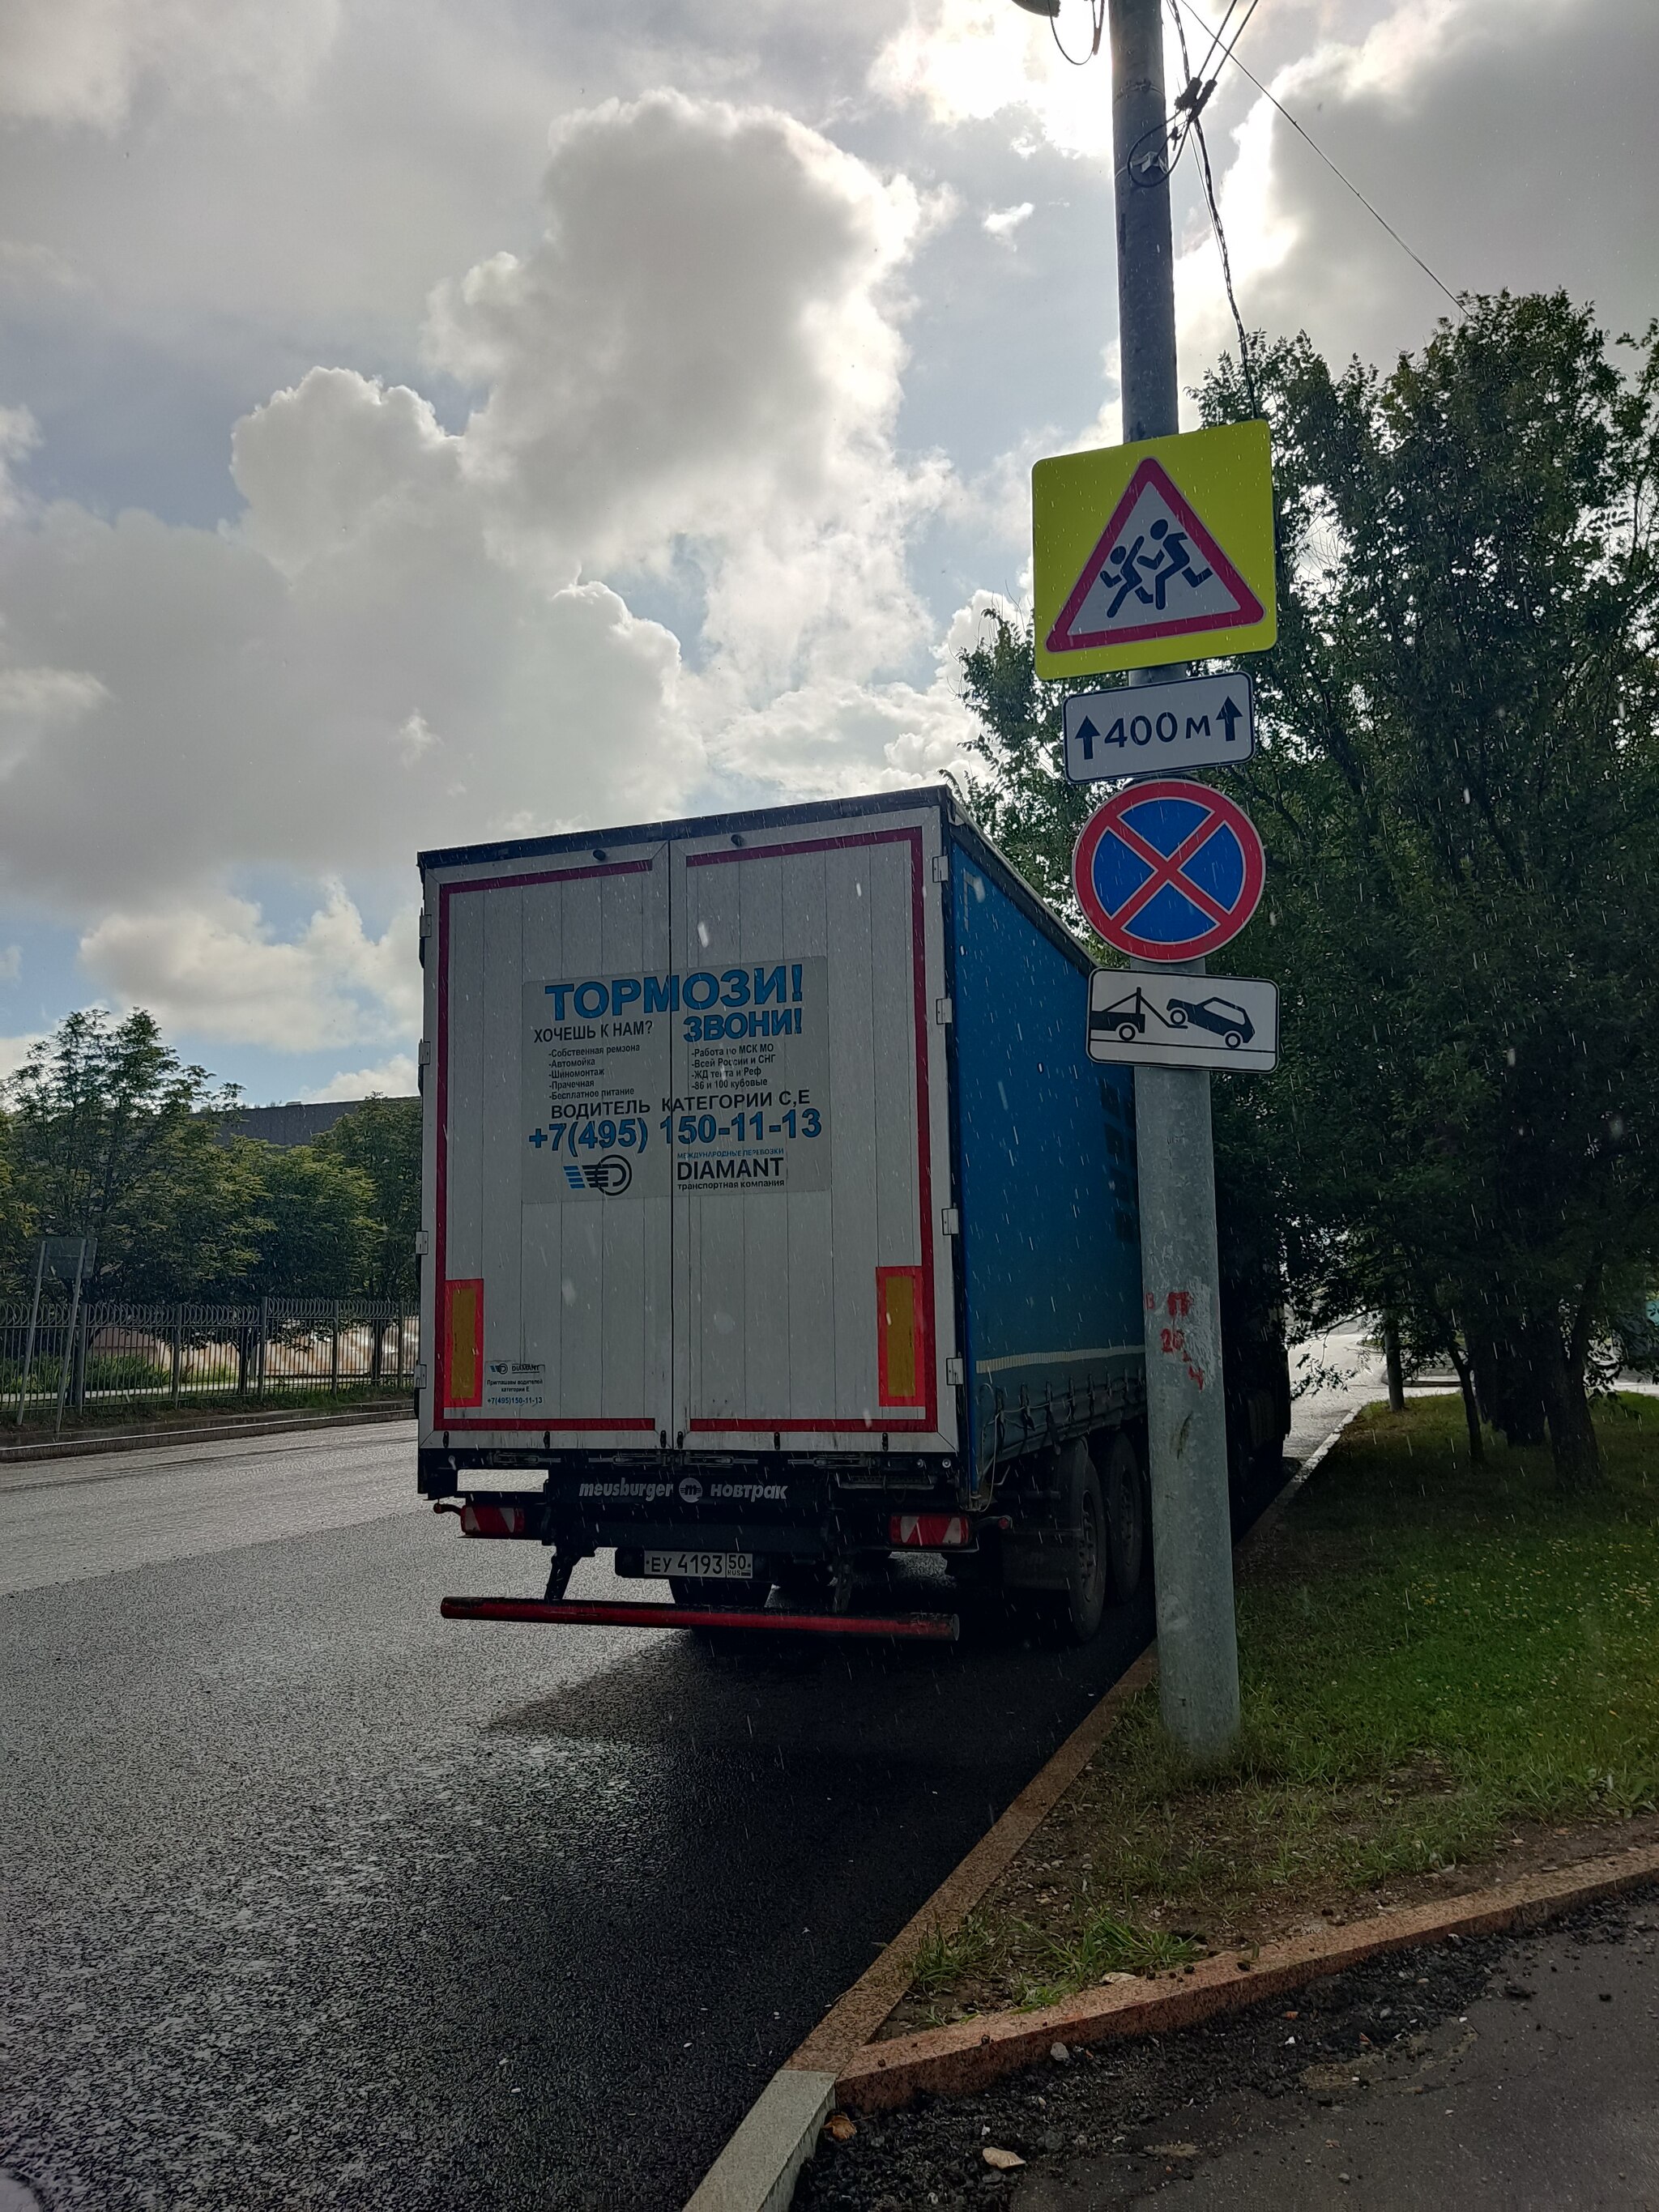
pixel 1371 209
pixel 1193 99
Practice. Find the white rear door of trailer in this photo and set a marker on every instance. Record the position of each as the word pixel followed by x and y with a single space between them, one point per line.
pixel 551 1209
pixel 811 1279
pixel 688 1143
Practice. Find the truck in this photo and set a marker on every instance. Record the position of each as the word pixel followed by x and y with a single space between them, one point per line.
pixel 777 1226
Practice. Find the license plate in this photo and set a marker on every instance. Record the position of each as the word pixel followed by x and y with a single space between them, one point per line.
pixel 702 1566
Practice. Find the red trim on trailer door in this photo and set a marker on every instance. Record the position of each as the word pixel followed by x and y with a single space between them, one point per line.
pixel 635 1423
pixel 888 1418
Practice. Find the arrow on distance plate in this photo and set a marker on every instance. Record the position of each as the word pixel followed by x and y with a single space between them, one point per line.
pixel 1087 731
pixel 1231 714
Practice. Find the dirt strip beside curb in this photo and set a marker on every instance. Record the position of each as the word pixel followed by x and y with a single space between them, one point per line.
pixel 971 2053
pixel 854 2018
pixel 757 2171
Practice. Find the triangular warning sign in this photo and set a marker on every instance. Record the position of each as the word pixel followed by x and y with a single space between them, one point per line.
pixel 1157 572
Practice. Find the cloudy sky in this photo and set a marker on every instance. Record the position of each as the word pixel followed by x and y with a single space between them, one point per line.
pixel 430 420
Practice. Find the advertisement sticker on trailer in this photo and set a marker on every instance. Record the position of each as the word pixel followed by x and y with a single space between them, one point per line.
pixel 707 1081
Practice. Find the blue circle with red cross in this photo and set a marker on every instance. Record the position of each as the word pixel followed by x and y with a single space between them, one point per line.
pixel 1169 870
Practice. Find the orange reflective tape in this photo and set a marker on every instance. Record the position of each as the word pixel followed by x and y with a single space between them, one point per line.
pixel 464 1343
pixel 901 1337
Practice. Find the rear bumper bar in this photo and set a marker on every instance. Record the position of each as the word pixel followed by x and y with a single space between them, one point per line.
pixel 911 1627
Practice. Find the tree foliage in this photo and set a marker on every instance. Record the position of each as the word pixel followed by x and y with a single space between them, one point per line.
pixel 1458 786
pixel 110 1136
pixel 381 1139
pixel 106 1133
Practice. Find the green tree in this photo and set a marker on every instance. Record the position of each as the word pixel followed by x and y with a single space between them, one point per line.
pixel 1459 789
pixel 382 1139
pixel 110 1136
pixel 315 1229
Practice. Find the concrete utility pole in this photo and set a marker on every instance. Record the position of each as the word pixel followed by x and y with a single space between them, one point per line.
pixel 1192 1537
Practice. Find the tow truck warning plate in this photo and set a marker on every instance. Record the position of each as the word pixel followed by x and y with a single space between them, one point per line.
pixel 1226 1022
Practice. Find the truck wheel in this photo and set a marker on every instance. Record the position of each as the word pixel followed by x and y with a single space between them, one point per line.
pixel 1079 1608
pixel 721 1596
pixel 1125 1518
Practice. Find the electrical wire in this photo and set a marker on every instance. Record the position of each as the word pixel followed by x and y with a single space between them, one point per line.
pixel 1196 93
pixel 1097 17
pixel 1220 33
pixel 1375 212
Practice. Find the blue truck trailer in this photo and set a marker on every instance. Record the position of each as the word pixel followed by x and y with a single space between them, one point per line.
pixel 777 1223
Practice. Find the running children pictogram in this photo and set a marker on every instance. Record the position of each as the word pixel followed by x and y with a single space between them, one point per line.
pixel 1168 870
pixel 1154 552
pixel 1156 572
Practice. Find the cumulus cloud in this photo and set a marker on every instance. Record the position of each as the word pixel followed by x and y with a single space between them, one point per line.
pixel 415 635
pixel 389 1078
pixel 1508 141
pixel 1003 222
pixel 214 970
pixel 82 61
pixel 832 736
pixel 13 1051
pixel 966 61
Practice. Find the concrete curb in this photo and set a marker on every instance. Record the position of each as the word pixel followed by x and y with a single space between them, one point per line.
pixel 971 2053
pixel 853 2018
pixel 129 1440
pixel 757 2171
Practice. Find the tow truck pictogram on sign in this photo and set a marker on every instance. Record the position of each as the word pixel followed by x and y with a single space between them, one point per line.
pixel 1156 572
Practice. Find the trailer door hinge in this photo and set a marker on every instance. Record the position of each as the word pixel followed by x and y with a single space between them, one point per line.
pixel 956 1372
pixel 425 922
pixel 942 1013
pixel 423 1242
pixel 949 1220
pixel 426 1052
pixel 420 1374
pixel 941 867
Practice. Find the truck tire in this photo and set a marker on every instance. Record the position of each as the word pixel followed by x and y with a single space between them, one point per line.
pixel 1125 1494
pixel 721 1596
pixel 1077 1611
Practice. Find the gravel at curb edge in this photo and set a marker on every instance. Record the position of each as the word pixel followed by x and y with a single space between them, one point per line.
pixel 1140 2097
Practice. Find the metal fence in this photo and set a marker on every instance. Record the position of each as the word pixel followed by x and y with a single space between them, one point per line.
pixel 151 1357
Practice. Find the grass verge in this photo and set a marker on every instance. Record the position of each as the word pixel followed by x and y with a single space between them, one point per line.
pixel 1445 1666
pixel 197 1412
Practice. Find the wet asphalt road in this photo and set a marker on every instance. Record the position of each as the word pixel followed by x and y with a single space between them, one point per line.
pixel 313 1899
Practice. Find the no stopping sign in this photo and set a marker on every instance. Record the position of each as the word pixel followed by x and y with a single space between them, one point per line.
pixel 1169 870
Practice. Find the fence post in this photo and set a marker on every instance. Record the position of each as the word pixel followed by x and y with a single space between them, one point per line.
pixel 178 1350
pixel 334 1353
pixel 264 1340
pixel 79 1384
pixel 400 1344
pixel 34 1317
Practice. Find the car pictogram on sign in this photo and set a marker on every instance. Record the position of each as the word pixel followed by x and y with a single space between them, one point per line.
pixel 1230 1021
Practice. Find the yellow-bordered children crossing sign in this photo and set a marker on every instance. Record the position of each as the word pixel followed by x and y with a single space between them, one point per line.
pixel 1155 552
